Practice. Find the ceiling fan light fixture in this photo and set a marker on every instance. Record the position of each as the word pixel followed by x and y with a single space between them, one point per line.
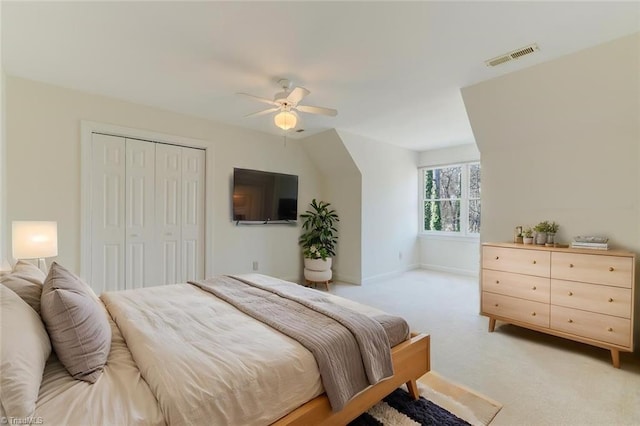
pixel 285 120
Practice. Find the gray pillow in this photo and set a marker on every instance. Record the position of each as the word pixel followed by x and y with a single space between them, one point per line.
pixel 77 324
pixel 26 281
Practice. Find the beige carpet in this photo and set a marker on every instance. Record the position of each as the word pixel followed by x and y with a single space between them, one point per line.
pixel 465 403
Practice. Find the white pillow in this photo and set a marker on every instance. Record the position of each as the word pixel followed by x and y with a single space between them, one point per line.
pixel 24 349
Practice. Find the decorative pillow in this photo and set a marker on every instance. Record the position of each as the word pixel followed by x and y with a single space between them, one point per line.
pixel 24 349
pixel 26 281
pixel 77 324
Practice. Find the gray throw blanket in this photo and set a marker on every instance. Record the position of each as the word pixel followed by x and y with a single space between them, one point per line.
pixel 352 349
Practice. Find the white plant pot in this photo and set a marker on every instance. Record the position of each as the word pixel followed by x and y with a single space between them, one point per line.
pixel 527 240
pixel 317 264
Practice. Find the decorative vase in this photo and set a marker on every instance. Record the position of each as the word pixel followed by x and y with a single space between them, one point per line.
pixel 518 240
pixel 318 271
pixel 317 264
pixel 541 238
pixel 551 237
pixel 527 240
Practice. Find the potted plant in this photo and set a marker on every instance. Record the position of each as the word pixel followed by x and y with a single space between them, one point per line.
pixel 541 232
pixel 551 232
pixel 527 235
pixel 318 241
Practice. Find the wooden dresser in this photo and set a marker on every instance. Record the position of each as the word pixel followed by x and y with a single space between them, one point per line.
pixel 583 295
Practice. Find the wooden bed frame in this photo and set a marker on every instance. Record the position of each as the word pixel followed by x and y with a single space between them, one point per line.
pixel 411 359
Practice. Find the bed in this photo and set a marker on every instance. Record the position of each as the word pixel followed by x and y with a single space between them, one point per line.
pixel 181 355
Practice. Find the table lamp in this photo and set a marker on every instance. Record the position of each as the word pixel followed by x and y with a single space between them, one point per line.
pixel 35 240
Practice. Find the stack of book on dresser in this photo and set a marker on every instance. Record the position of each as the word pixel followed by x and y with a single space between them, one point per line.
pixel 596 243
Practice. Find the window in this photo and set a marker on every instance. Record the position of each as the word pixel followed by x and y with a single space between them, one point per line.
pixel 451 199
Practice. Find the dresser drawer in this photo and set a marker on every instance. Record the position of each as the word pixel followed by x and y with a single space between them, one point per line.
pixel 592 297
pixel 521 261
pixel 591 268
pixel 535 313
pixel 516 285
pixel 595 326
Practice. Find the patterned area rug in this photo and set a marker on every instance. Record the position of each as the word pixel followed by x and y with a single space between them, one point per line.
pixel 441 403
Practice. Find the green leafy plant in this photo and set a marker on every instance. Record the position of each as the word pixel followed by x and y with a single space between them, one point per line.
pixel 527 233
pixel 553 228
pixel 542 227
pixel 319 237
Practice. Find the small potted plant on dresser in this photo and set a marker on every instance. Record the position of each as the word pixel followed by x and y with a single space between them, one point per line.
pixel 541 232
pixel 551 233
pixel 527 235
pixel 318 241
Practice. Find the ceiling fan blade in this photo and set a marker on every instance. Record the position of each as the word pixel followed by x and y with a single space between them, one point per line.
pixel 297 94
pixel 266 111
pixel 317 110
pixel 256 98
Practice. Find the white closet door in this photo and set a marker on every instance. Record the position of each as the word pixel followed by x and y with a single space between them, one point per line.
pixel 107 213
pixel 141 268
pixel 193 171
pixel 168 212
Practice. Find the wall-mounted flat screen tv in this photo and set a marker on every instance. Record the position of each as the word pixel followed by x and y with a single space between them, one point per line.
pixel 264 196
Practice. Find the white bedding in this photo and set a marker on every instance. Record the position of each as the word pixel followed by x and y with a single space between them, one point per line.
pixel 119 397
pixel 246 372
pixel 216 365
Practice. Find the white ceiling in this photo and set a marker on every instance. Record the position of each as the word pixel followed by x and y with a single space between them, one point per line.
pixel 393 70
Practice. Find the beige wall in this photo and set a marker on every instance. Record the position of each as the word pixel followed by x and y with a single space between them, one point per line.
pixel 460 255
pixel 43 171
pixel 561 141
pixel 342 187
pixel 389 206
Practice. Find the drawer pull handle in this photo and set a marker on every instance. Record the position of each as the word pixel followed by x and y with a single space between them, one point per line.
pixel 610 300
pixel 571 265
pixel 497 257
pixel 534 262
pixel 570 320
pixel 497 305
pixel 611 269
pixel 610 329
pixel 570 293
pixel 534 288
pixel 533 314
pixel 497 281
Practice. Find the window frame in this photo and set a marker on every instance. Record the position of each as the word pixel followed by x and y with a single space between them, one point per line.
pixel 465 200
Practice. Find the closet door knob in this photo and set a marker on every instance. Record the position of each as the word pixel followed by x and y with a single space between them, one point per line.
pixel 534 288
pixel 570 320
pixel 610 300
pixel 533 314
pixel 571 265
pixel 497 281
pixel 497 257
pixel 609 329
pixel 611 269
pixel 496 305
pixel 534 262
pixel 570 293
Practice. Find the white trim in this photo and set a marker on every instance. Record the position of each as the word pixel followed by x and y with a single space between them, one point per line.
pixel 390 275
pixel 87 128
pixel 450 270
pixel 450 236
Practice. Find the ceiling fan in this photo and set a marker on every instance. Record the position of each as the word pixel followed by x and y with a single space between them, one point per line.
pixel 286 102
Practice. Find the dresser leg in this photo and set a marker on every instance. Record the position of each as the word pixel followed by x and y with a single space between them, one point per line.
pixel 615 358
pixel 492 324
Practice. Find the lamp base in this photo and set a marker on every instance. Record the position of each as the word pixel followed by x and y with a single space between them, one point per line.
pixel 42 264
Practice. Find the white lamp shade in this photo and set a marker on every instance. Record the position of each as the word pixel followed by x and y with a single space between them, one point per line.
pixel 285 120
pixel 34 240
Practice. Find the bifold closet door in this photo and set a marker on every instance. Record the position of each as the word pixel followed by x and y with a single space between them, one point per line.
pixel 141 269
pixel 107 213
pixel 193 173
pixel 180 174
pixel 147 213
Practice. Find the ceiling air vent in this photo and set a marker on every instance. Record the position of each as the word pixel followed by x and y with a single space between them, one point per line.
pixel 516 54
pixel 299 130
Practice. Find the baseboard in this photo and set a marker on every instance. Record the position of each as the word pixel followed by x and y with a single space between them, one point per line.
pixel 450 269
pixel 347 279
pixel 389 275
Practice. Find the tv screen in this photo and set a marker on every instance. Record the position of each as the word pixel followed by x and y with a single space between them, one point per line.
pixel 264 196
